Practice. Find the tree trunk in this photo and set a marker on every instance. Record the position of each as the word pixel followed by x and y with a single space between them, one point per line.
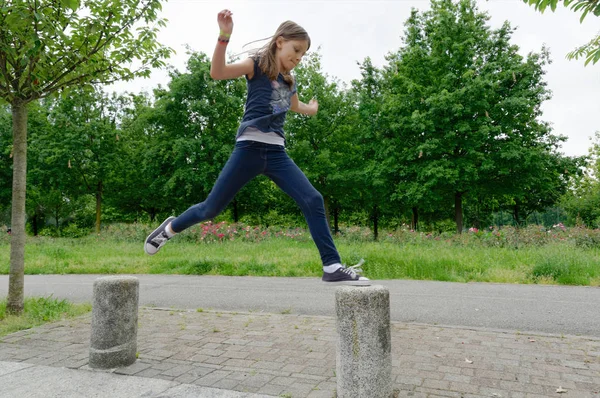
pixel 517 214
pixel 236 215
pixel 34 223
pixel 98 206
pixel 327 216
pixel 375 223
pixel 16 279
pixel 458 216
pixel 57 218
pixel 415 218
pixel 336 215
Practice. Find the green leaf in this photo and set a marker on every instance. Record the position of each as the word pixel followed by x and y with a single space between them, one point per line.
pixel 15 21
pixel 72 4
pixel 593 57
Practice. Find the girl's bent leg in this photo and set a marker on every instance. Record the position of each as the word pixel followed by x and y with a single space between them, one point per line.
pixel 288 176
pixel 243 165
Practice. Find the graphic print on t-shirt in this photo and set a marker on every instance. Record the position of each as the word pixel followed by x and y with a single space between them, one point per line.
pixel 280 97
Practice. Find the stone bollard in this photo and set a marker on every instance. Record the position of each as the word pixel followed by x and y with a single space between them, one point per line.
pixel 114 322
pixel 364 359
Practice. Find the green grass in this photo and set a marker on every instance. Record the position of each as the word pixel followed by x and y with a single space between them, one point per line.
pixel 556 263
pixel 38 311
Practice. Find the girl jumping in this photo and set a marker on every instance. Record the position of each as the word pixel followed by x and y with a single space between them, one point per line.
pixel 260 143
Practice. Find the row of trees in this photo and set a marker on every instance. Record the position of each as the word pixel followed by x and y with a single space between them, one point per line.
pixel 449 125
pixel 449 128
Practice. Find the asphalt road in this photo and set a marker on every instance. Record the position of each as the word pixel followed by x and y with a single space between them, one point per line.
pixel 524 308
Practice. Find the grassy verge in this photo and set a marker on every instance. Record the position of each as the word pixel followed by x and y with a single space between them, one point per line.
pixel 38 311
pixel 552 263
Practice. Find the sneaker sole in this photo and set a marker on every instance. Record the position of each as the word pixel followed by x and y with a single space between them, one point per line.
pixel 163 225
pixel 349 283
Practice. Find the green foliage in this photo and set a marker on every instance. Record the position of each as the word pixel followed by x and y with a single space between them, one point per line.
pixel 564 270
pixel 74 231
pixel 582 201
pixel 39 310
pixel 324 145
pixel 587 6
pixel 5 163
pixel 47 46
pixel 210 232
pixel 461 109
pixel 371 164
pixel 591 50
pixel 588 238
pixel 515 255
pixel 174 149
pixel 4 236
pixel 450 126
pixel 75 145
pixel 273 218
pixel 46 308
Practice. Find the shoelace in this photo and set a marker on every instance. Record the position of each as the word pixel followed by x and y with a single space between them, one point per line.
pixel 160 238
pixel 355 269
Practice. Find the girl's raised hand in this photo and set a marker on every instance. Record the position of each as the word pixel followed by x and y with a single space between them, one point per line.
pixel 225 21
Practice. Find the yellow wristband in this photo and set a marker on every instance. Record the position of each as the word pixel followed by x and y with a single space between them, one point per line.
pixel 227 35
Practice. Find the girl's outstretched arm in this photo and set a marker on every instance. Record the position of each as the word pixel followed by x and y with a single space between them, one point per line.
pixel 309 109
pixel 219 70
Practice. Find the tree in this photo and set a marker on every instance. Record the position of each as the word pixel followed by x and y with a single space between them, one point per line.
pixel 463 108
pixel 82 141
pixel 48 181
pixel 132 175
pixel 371 155
pixel 48 46
pixel 582 200
pixel 543 177
pixel 590 50
pixel 406 82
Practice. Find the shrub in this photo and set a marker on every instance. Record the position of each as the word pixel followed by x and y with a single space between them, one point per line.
pixel 74 231
pixel 587 238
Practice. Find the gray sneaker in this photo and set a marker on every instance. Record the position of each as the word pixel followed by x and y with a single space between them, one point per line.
pixel 347 276
pixel 157 238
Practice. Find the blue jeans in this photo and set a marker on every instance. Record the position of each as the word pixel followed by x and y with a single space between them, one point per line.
pixel 248 160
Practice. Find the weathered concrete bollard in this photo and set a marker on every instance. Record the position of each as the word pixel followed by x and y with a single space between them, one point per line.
pixel 114 322
pixel 364 359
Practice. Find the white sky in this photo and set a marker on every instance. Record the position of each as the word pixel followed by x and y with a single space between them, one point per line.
pixel 348 31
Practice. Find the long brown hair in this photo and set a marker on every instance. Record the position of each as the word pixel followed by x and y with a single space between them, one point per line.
pixel 267 63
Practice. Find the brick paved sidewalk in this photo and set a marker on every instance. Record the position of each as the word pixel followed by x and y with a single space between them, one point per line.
pixel 294 356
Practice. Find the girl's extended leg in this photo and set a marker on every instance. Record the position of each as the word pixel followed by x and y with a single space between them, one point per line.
pixel 288 176
pixel 243 165
pixel 284 172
